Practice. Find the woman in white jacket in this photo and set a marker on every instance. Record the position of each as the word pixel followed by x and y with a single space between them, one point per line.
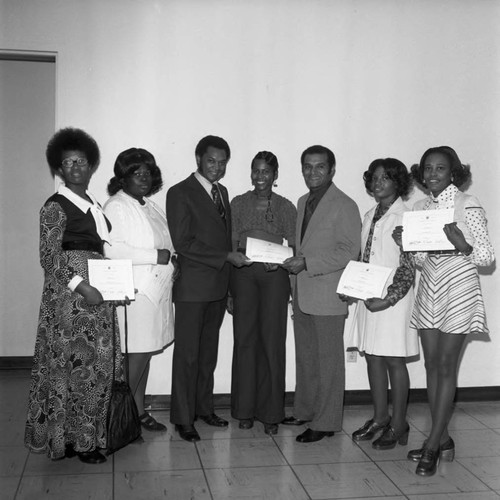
pixel 140 233
pixel 381 325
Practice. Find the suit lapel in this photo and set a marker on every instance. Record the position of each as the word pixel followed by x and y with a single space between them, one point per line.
pixel 206 203
pixel 322 210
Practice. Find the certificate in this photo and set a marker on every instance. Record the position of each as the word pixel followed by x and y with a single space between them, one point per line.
pixel 112 277
pixel 423 230
pixel 363 281
pixel 265 251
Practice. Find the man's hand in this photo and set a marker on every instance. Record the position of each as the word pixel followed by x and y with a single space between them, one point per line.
pixel 294 265
pixel 237 259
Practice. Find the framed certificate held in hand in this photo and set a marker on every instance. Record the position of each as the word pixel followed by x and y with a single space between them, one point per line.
pixel 112 277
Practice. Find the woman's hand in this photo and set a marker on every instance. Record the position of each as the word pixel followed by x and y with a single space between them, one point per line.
pixel 375 305
pixel 125 302
pixel 163 256
pixel 397 236
pixel 457 238
pixel 346 298
pixel 270 267
pixel 91 294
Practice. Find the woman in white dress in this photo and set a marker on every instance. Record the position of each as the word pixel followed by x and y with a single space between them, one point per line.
pixel 140 233
pixel 381 326
pixel 449 304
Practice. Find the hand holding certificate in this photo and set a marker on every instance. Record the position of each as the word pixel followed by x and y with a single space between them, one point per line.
pixel 265 251
pixel 423 230
pixel 113 278
pixel 363 281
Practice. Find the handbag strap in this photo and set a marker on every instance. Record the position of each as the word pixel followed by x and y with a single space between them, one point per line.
pixel 126 366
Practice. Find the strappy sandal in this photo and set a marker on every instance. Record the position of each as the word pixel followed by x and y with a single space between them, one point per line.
pixel 150 424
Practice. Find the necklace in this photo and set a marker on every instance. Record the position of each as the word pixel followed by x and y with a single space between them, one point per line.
pixel 269 216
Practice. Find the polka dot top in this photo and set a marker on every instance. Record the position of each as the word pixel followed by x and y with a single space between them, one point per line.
pixel 471 220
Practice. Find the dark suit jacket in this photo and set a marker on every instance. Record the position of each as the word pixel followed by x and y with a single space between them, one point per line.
pixel 201 239
pixel 331 240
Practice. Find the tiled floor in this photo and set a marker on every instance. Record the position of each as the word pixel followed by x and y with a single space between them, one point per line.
pixel 233 463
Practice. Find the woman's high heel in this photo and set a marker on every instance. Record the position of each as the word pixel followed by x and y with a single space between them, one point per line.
pixel 447 450
pixel 369 429
pixel 428 463
pixel 389 438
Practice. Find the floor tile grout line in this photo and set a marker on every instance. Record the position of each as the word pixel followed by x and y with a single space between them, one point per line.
pixel 291 467
pixel 477 477
pixel 204 471
pixel 22 474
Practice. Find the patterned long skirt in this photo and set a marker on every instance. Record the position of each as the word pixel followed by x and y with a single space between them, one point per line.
pixel 72 370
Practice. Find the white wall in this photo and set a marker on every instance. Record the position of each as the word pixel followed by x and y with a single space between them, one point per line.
pixel 368 79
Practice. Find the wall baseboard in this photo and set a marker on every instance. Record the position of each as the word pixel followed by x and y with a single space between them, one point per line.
pixel 351 398
pixel 16 362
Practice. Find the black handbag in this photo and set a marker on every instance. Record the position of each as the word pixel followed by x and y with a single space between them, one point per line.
pixel 123 424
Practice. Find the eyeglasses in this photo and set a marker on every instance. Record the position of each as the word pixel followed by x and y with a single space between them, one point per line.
pixel 69 162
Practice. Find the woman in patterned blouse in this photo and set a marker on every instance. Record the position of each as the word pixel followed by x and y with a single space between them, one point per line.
pixel 381 326
pixel 449 304
pixel 260 295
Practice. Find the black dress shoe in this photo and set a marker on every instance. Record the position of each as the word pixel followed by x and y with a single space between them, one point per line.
pixel 369 430
pixel 149 423
pixel 213 420
pixel 246 423
pixel 188 433
pixel 91 457
pixel 271 429
pixel 427 465
pixel 294 421
pixel 310 436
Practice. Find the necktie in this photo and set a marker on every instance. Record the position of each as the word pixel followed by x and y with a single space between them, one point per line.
pixel 218 201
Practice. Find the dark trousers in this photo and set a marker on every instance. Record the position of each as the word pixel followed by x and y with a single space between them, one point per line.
pixel 320 369
pixel 197 326
pixel 259 323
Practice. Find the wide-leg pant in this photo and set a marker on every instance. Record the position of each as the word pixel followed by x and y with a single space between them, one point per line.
pixel 260 301
pixel 320 369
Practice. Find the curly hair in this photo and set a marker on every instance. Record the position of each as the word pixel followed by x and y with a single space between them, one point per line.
pixel 71 139
pixel 460 173
pixel 319 150
pixel 212 141
pixel 269 158
pixel 130 160
pixel 396 171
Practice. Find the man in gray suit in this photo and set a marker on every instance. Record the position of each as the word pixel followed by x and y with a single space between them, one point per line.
pixel 328 237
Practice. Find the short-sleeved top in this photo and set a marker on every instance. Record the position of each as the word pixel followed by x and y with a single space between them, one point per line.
pixel 245 218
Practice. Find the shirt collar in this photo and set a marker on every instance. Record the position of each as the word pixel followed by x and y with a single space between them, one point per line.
pixel 446 195
pixel 206 184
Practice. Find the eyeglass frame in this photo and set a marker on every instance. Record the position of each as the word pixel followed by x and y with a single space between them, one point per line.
pixel 81 162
